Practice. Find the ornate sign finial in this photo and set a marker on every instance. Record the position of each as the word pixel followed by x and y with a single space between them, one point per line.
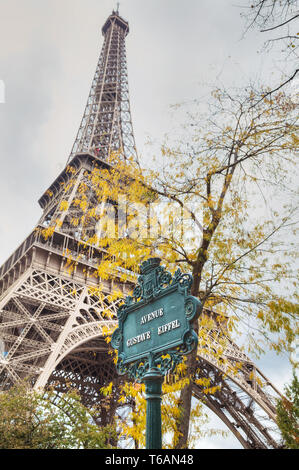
pixel 149 265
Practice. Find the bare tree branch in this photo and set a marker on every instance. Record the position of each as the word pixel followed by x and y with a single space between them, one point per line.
pixel 279 25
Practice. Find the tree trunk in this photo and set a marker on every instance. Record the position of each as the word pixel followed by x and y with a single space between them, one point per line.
pixel 185 404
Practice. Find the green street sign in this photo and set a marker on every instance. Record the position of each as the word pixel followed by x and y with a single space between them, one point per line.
pixel 154 333
pixel 155 324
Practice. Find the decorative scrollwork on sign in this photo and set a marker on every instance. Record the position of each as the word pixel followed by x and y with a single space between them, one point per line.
pixel 185 280
pixel 154 279
pixel 191 307
pixel 164 363
pixel 122 313
pixel 137 292
pixel 168 361
pixel 116 338
pixel 189 342
pixel 164 277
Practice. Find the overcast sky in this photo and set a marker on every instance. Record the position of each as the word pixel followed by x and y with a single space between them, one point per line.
pixel 49 51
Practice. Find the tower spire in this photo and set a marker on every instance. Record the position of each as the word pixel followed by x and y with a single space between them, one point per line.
pixel 106 126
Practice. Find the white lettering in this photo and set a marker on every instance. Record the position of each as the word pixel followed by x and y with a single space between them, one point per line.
pixel 139 339
pixel 151 316
pixel 168 327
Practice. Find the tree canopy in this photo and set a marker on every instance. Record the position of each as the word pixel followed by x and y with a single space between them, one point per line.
pixel 288 414
pixel 278 19
pixel 47 420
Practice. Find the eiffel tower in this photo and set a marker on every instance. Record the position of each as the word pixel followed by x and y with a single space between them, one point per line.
pixel 52 325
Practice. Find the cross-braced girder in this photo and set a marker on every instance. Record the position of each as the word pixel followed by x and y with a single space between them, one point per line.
pixel 106 126
pixel 254 428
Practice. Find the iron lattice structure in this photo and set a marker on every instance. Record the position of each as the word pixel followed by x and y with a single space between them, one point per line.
pixel 106 126
pixel 51 321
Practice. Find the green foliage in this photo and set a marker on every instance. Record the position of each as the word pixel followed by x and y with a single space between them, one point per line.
pixel 288 415
pixel 46 420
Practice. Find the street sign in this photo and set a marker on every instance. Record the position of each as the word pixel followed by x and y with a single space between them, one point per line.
pixel 154 333
pixel 154 327
pixel 156 322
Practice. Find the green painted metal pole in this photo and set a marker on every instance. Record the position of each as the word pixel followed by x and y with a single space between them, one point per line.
pixel 153 393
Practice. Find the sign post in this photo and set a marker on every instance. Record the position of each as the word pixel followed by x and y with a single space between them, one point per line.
pixel 153 394
pixel 154 334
